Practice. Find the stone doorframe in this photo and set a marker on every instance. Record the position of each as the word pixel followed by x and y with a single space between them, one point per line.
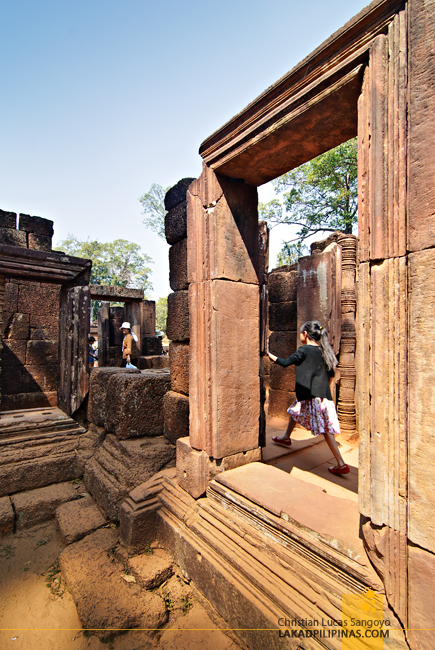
pixel 73 274
pixel 375 78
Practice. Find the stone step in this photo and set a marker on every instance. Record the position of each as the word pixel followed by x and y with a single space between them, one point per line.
pixel 151 569
pixel 37 506
pixel 79 518
pixel 39 447
pixel 107 600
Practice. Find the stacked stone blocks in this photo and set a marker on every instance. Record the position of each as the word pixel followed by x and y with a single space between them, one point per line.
pixel 33 232
pixel 176 401
pixel 30 345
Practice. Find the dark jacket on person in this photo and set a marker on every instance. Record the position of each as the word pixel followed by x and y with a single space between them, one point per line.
pixel 312 375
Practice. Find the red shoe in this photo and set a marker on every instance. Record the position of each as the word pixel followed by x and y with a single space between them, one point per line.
pixel 341 469
pixel 283 443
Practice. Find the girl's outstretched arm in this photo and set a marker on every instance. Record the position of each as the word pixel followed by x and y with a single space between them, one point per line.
pixel 271 356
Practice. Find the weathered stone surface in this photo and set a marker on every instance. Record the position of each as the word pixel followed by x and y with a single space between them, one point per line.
pixel 176 223
pixel 8 219
pixel 192 468
pixel 421 411
pixel 421 579
pixel 115 294
pixel 11 296
pixel 17 327
pixel 39 242
pixel 421 126
pixel 177 193
pixel 388 551
pixel 283 316
pixel 151 346
pixel 79 518
pixel 121 465
pixel 155 362
pixel 40 299
pixel 179 362
pixel 41 353
pixel 36 225
pixel 282 286
pixel 6 516
pixel 38 449
pixel 109 603
pixel 151 570
pixel 178 266
pixel 36 506
pixel 138 514
pixel 223 235
pixel 177 325
pixel 282 378
pixel 224 384
pixel 39 323
pixel 231 462
pixel 33 400
pixel 11 380
pixel 135 405
pixel 89 444
pixel 279 401
pixel 11 237
pixel 43 333
pixel 98 387
pixel 283 344
pixel 176 416
pixel 148 318
pixel 319 284
pixel 13 353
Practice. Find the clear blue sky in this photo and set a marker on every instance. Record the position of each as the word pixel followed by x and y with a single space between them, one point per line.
pixel 100 99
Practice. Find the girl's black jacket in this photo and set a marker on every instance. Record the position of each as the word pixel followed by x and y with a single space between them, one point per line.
pixel 312 375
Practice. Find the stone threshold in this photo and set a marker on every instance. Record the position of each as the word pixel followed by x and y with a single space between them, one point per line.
pixel 28 422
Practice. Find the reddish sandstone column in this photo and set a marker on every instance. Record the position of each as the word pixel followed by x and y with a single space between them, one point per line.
pixel 224 383
pixel 383 298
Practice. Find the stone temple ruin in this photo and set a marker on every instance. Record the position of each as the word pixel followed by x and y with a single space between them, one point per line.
pixel 235 525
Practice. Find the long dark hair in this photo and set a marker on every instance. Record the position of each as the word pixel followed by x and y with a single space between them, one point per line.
pixel 317 333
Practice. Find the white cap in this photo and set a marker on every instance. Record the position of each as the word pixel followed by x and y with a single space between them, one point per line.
pixel 125 326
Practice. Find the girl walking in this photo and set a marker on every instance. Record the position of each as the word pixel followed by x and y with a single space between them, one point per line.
pixel 314 409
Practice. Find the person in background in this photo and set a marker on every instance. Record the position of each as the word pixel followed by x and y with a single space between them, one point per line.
pixel 92 354
pixel 130 351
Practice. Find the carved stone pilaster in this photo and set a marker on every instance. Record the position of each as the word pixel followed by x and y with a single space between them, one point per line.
pixel 346 398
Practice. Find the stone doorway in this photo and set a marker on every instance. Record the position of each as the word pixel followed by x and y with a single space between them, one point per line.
pixel 367 79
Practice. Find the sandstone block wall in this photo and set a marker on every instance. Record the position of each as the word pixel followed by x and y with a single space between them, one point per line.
pixel 30 345
pixel 33 232
pixel 283 340
pixel 176 402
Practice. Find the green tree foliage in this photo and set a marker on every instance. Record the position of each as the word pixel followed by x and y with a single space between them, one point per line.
pixel 290 253
pixel 119 263
pixel 154 209
pixel 319 196
pixel 161 313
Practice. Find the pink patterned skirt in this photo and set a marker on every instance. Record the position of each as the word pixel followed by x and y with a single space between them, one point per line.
pixel 317 414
